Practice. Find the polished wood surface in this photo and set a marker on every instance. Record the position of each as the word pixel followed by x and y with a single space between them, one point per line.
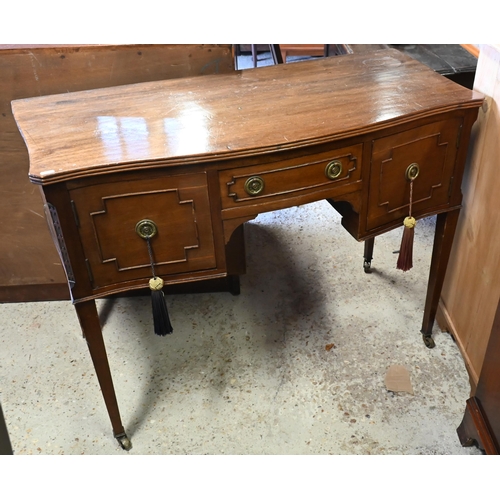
pixel 29 265
pixel 192 120
pixel 200 156
pixel 471 289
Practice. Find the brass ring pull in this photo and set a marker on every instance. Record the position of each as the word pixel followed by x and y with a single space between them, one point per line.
pixel 412 172
pixel 254 185
pixel 333 169
pixel 146 228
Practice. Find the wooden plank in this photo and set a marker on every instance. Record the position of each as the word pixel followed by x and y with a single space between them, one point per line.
pixel 27 254
pixel 472 289
pixel 301 50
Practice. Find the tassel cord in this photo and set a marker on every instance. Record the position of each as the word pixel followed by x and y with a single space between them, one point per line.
pixel 151 258
pixel 411 199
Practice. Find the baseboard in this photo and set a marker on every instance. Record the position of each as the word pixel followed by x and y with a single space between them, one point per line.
pixel 34 293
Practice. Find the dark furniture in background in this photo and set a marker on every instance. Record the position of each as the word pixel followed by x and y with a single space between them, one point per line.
pixel 450 60
pixel 5 446
pixel 481 423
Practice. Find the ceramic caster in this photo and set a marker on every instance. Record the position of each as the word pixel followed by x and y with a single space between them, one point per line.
pixel 367 266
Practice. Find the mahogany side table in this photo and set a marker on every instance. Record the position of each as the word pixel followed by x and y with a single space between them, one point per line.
pixel 195 158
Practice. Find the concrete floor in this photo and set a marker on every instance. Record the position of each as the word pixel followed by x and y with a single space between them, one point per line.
pixel 249 374
pixel 294 365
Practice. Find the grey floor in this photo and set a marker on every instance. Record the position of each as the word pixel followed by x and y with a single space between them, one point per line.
pixel 249 374
pixel 294 365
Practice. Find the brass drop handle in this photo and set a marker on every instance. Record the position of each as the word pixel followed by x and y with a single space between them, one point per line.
pixel 146 228
pixel 412 172
pixel 333 169
pixel 254 185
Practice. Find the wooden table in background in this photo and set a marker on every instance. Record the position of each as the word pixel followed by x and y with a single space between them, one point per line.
pixel 29 266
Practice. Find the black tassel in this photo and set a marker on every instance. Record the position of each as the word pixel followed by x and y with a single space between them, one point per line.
pixel 146 229
pixel 161 320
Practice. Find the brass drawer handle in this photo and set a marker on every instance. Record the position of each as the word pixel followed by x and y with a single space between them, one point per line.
pixel 254 185
pixel 146 228
pixel 412 172
pixel 333 169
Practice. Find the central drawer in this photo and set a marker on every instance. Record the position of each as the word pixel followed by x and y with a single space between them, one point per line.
pixel 300 180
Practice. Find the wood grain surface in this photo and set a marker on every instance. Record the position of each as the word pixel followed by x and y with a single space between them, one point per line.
pixel 472 289
pixel 225 116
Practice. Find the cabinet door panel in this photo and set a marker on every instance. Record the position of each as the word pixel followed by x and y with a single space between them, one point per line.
pixel 433 147
pixel 108 213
